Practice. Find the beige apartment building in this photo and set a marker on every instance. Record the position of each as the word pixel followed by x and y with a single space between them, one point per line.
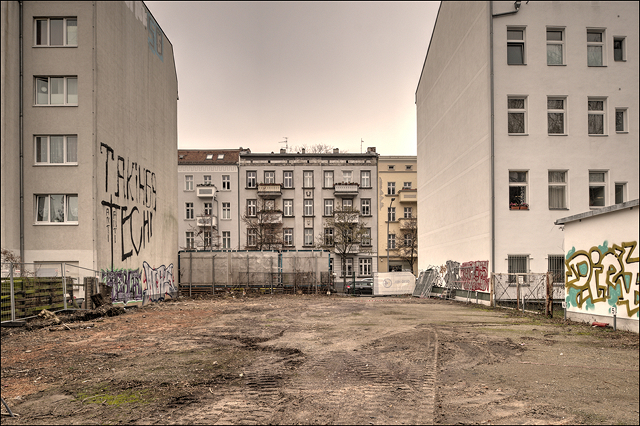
pixel 89 137
pixel 397 214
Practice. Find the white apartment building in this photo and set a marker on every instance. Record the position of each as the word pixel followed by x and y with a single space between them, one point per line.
pixel 89 135
pixel 304 189
pixel 208 199
pixel 527 112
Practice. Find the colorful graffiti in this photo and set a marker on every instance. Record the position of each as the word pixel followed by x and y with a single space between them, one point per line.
pixel 128 285
pixel 475 275
pixel 159 281
pixel 603 277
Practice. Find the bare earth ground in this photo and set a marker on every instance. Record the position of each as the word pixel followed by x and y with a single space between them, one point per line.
pixel 320 360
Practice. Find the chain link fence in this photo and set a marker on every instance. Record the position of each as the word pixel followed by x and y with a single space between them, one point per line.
pixel 533 292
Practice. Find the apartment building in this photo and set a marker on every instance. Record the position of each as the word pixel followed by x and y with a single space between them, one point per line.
pixel 397 179
pixel 89 135
pixel 297 200
pixel 209 217
pixel 527 112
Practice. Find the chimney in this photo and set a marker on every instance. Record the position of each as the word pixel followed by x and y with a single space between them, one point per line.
pixel 283 151
pixel 336 150
pixel 303 150
pixel 371 149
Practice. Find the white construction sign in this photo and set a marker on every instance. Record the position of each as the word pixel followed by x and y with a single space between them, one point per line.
pixel 390 283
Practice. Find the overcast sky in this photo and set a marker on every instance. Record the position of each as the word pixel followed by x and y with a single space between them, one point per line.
pixel 333 73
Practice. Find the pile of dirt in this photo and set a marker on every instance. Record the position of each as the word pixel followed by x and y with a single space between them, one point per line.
pixel 47 319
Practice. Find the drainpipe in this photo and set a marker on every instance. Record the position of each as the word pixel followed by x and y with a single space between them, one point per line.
pixel 21 142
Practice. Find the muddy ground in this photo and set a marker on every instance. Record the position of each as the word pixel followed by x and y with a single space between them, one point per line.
pixel 296 359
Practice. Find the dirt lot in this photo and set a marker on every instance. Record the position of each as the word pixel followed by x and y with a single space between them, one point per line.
pixel 320 360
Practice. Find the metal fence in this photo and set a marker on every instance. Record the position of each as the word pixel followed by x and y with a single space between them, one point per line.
pixel 533 292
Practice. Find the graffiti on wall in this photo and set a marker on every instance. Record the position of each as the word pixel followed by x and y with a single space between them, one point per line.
pixel 128 285
pixel 131 204
pixel 603 277
pixel 474 276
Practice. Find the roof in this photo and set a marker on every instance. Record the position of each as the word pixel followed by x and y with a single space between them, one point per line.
pixel 604 210
pixel 208 156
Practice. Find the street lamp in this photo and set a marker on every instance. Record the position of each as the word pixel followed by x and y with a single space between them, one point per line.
pixel 388 220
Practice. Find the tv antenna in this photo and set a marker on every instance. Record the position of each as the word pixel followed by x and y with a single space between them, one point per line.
pixel 361 142
pixel 285 141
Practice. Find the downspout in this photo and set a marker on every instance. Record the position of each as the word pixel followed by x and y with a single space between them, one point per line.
pixel 21 141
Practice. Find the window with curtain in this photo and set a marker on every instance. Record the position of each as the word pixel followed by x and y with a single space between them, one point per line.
pixel 557 190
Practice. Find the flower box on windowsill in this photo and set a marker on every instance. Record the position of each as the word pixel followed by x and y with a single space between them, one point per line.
pixel 518 207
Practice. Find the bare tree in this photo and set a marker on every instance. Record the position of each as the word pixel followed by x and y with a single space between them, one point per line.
pixel 408 247
pixel 318 148
pixel 205 231
pixel 346 234
pixel 264 226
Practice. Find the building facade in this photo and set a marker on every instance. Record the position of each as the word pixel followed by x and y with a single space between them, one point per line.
pixel 89 173
pixel 527 115
pixel 302 193
pixel 209 217
pixel 397 215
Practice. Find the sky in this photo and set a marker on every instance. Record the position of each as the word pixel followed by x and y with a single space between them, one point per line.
pixel 333 73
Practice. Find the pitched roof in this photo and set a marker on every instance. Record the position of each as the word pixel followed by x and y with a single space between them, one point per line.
pixel 208 156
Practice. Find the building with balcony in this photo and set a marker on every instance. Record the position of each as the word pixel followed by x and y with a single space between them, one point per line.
pixel 293 195
pixel 89 136
pixel 208 199
pixel 397 215
pixel 528 115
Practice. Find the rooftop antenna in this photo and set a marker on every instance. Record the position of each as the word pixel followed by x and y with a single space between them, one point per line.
pixel 361 141
pixel 285 141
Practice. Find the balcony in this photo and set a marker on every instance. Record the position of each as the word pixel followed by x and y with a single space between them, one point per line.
pixel 408 195
pixel 408 223
pixel 206 221
pixel 206 191
pixel 270 216
pixel 346 189
pixel 346 217
pixel 269 191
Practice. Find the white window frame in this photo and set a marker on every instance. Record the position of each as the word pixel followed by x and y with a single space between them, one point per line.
pixel 594 44
pixel 328 207
pixel 364 266
pixel 596 113
pixel 558 111
pixel 66 150
pixel 623 48
pixel 67 204
pixel 328 237
pixel 347 204
pixel 287 179
pixel 226 239
pixel 252 237
pixel 67 41
pixel 408 212
pixel 365 179
pixel 598 184
pixel 188 182
pixel 518 184
pixel 366 237
pixel 328 179
pixel 220 156
pixel 347 267
pixel 624 113
pixel 252 208
pixel 554 43
pixel 347 176
pixel 308 207
pixel 557 185
pixel 514 110
pixel 252 179
pixel 269 177
pixel 226 211
pixel 307 181
pixel 408 239
pixel 206 179
pixel 391 214
pixel 209 157
pixel 391 188
pixel 365 207
pixel 623 192
pixel 188 211
pixel 287 208
pixel 226 182
pixel 517 42
pixel 406 185
pixel 65 95
pixel 190 239
pixel 391 241
pixel 287 237
pixel 208 209
pixel 308 237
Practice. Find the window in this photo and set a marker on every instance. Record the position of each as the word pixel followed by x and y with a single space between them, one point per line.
pixel 391 188
pixel 56 32
pixel 517 115
pixel 220 156
pixel 517 264
pixel 56 91
pixel 308 207
pixel 364 268
pixel 287 207
pixel 269 177
pixel 57 208
pixel 207 180
pixel 597 189
pixel 621 190
pixel 621 120
pixel 208 209
pixel 188 210
pixel 347 204
pixel 307 179
pixel 251 179
pixel 408 167
pixel 269 205
pixel 226 210
pixel 287 179
pixel 347 176
pixel 365 207
pixel 597 121
pixel 595 48
pixel 190 239
pixel 251 208
pixel 408 240
pixel 619 49
pixel 347 267
pixel 555 46
pixel 226 182
pixel 366 237
pixel 408 212
pixel 515 46
pixel 391 214
pixel 328 179
pixel 252 235
pixel 56 150
pixel 556 268
pixel 209 157
pixel 556 116
pixel 557 190
pixel 207 239
pixel 308 236
pixel 226 239
pixel 328 236
pixel 518 189
pixel 328 207
pixel 188 183
pixel 365 179
pixel 406 185
pixel 391 241
pixel 287 236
